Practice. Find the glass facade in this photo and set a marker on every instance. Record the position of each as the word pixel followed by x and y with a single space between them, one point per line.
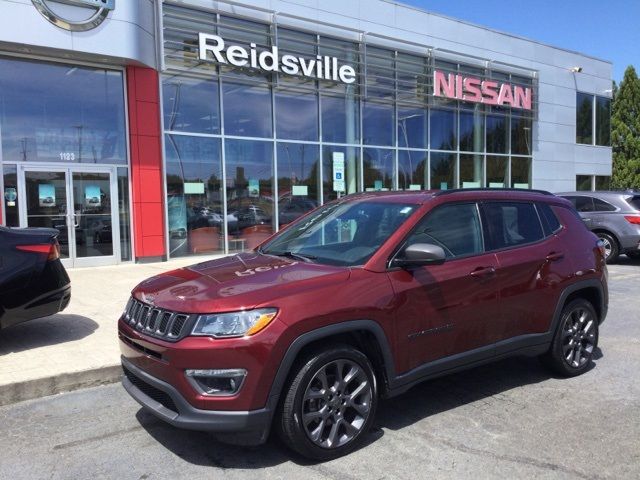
pixel 277 141
pixel 57 118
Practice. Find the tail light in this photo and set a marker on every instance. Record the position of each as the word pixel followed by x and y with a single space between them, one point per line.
pixel 634 219
pixel 51 250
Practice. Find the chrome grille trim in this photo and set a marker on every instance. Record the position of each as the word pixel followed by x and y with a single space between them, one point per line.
pixel 156 322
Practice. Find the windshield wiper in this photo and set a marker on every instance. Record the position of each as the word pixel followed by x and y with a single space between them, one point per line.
pixel 290 254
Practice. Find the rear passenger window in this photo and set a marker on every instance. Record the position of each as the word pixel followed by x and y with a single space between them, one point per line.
pixel 510 224
pixel 602 206
pixel 582 204
pixel 550 222
pixel 456 228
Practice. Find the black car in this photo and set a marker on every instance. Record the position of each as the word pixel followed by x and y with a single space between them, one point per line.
pixel 33 281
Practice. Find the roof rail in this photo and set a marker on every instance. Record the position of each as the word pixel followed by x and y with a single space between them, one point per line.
pixel 519 190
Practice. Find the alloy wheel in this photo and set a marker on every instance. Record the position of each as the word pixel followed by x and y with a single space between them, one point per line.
pixel 578 337
pixel 607 247
pixel 336 404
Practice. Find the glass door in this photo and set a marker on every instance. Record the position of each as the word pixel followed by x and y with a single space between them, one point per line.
pixel 47 205
pixel 92 216
pixel 81 203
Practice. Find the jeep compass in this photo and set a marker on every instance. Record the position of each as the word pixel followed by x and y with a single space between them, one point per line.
pixel 360 299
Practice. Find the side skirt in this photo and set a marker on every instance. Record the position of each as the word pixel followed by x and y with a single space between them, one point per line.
pixel 526 345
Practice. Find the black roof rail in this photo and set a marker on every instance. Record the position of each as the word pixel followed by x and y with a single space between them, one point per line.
pixel 519 190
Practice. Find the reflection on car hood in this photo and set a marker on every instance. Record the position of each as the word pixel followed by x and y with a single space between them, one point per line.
pixel 236 282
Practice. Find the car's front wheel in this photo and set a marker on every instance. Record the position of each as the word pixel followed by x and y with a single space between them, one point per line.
pixel 329 404
pixel 576 338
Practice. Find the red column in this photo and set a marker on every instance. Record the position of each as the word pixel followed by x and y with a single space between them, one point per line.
pixel 146 164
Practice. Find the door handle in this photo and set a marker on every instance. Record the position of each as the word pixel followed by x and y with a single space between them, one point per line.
pixel 483 272
pixel 555 256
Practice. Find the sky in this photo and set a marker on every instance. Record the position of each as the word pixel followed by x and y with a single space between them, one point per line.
pixel 606 29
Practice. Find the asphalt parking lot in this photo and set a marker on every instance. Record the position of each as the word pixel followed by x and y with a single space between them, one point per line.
pixel 507 420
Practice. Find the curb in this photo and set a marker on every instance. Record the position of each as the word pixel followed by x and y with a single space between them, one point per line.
pixel 65 382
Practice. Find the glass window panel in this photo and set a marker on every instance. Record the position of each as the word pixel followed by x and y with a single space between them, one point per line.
pixel 603 121
pixel 340 119
pixel 412 78
pixel 351 158
pixel 413 128
pixel 443 171
pixel 521 136
pixel 472 130
pixel 124 213
pixel 61 113
pixel 190 104
pixel 584 118
pixel 194 196
pixel 298 174
pixel 10 196
pixel 456 228
pixel 497 134
pixel 471 171
pixel 521 172
pixel 378 169
pixel 583 182
pixel 511 224
pixel 443 129
pixel 412 170
pixel 247 110
pixel 250 190
pixel 497 172
pixel 180 27
pixel 378 123
pixel 603 182
pixel 296 115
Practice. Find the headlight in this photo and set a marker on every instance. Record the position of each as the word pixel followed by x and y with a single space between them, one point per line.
pixel 235 324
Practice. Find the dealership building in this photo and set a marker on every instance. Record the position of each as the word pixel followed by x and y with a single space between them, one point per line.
pixel 145 129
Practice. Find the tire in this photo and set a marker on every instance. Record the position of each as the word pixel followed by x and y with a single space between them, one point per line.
pixel 318 398
pixel 571 351
pixel 611 246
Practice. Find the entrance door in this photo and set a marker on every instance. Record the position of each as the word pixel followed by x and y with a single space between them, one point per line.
pixel 82 204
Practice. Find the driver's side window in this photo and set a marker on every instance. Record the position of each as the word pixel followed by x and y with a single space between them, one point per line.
pixel 454 227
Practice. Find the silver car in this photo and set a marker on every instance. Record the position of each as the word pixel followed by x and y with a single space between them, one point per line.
pixel 614 217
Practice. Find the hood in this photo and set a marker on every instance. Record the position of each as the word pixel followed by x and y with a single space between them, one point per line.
pixel 242 281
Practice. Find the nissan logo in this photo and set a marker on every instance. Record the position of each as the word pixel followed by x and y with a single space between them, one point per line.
pixel 97 9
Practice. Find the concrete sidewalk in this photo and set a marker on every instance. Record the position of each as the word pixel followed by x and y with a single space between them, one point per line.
pixel 78 347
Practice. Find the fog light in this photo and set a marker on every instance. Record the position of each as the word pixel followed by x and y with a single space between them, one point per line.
pixel 216 383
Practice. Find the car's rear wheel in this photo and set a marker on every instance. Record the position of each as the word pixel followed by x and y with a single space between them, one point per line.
pixel 611 248
pixel 571 351
pixel 329 404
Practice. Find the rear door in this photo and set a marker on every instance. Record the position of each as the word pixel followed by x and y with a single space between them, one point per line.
pixel 585 207
pixel 442 310
pixel 531 265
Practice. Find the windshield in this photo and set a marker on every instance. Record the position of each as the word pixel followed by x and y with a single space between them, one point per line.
pixel 345 234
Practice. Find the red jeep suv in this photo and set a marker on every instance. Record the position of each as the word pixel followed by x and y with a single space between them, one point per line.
pixel 363 298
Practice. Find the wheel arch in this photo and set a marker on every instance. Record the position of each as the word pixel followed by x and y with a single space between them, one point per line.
pixel 365 335
pixel 591 290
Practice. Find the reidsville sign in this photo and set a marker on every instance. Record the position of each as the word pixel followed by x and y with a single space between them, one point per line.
pixel 212 48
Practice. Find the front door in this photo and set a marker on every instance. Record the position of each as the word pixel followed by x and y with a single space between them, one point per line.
pixel 81 203
pixel 447 309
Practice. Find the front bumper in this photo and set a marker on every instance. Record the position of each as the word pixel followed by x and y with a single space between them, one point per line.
pixel 165 402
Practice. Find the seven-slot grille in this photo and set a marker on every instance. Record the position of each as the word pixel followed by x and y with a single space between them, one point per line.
pixel 155 322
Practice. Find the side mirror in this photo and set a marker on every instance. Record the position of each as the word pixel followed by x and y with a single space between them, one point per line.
pixel 419 254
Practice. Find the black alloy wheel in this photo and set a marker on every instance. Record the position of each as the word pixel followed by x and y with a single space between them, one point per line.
pixel 571 351
pixel 330 404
